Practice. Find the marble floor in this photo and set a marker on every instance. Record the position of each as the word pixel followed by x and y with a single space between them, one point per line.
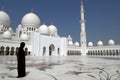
pixel 62 68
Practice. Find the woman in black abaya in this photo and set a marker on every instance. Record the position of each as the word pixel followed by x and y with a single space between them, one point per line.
pixel 21 61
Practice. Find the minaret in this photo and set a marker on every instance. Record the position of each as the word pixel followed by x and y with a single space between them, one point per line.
pixel 83 32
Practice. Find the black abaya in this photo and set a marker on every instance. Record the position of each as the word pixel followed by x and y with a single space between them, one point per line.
pixel 21 62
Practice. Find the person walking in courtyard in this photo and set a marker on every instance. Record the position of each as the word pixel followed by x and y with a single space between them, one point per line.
pixel 21 61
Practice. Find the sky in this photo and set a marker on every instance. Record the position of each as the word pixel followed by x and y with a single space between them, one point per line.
pixel 102 17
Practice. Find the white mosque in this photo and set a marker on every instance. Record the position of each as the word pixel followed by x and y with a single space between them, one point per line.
pixel 44 40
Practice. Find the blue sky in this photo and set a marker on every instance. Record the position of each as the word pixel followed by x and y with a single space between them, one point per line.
pixel 102 16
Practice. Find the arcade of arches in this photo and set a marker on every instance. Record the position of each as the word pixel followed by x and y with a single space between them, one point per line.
pixel 11 50
pixel 73 52
pixel 104 52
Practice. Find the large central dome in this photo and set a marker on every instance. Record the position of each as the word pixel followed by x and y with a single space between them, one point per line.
pixel 31 19
pixel 4 18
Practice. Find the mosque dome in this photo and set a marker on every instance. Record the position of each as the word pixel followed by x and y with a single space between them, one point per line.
pixel 69 38
pixel 43 29
pixel 90 44
pixel 70 43
pixel 10 29
pixel 52 29
pixel 25 29
pixel 30 19
pixel 24 37
pixel 4 18
pixel 7 35
pixel 76 44
pixel 19 26
pixel 111 42
pixel 100 43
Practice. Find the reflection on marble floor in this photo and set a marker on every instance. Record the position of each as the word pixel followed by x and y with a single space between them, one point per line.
pixel 62 68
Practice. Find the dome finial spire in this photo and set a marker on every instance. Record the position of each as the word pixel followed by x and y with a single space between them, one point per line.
pixel 81 2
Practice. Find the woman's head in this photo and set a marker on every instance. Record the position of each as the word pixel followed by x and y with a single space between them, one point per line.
pixel 22 44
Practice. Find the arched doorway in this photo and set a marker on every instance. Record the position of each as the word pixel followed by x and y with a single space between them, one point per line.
pixel 17 50
pixel 44 51
pixel 58 51
pixel 2 50
pixel 51 50
pixel 117 52
pixel 20 33
pixel 26 51
pixel 12 51
pixel 7 50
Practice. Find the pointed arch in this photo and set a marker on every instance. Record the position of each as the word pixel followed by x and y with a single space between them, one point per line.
pixel 26 51
pixel 2 50
pixel 17 50
pixel 20 33
pixel 12 51
pixel 44 51
pixel 51 49
pixel 58 51
pixel 7 50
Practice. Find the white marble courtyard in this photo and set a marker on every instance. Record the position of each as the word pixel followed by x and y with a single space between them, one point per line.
pixel 62 68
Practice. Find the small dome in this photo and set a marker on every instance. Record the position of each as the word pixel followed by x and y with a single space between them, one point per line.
pixel 30 19
pixel 111 42
pixel 24 37
pixel 100 43
pixel 10 28
pixel 76 44
pixel 7 35
pixel 4 18
pixel 69 38
pixel 90 44
pixel 43 29
pixel 25 29
pixel 20 26
pixel 70 43
pixel 53 30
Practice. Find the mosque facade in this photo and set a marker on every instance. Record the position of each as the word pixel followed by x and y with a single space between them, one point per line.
pixel 44 40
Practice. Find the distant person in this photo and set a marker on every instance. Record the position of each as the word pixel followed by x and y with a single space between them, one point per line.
pixel 21 61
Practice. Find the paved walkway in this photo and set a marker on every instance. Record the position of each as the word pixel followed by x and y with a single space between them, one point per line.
pixel 62 68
